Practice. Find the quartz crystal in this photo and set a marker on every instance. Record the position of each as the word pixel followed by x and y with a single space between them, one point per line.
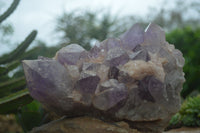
pixel 136 78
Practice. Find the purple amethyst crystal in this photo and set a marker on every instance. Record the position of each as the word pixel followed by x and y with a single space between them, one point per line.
pixel 136 78
pixel 111 94
pixel 110 44
pixel 70 54
pixel 88 82
pixel 133 37
pixel 116 56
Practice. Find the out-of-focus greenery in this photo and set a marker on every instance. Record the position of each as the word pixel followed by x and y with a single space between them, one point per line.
pixel 174 14
pixel 12 90
pixel 189 114
pixel 6 29
pixel 188 41
pixel 13 95
pixel 87 27
pixel 30 116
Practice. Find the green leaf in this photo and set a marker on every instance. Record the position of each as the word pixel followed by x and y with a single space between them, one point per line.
pixel 31 112
pixel 175 119
pixel 12 85
pixel 189 113
pixel 9 10
pixel 11 103
pixel 3 70
pixel 15 54
pixel 9 67
pixel 4 78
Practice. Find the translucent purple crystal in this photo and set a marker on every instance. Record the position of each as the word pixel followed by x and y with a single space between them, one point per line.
pixel 133 37
pixel 88 82
pixel 110 44
pixel 110 95
pixel 116 56
pixel 70 54
pixel 136 78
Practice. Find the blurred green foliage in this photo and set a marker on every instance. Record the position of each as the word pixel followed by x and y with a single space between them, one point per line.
pixel 6 29
pixel 174 14
pixel 188 41
pixel 12 95
pixel 10 88
pixel 14 98
pixel 30 116
pixel 87 27
pixel 189 114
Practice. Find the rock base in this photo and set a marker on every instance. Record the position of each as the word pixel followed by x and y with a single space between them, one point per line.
pixel 83 125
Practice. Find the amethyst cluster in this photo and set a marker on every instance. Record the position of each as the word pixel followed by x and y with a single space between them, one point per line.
pixel 136 78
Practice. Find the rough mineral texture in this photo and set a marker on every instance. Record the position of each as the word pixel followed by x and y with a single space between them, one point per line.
pixel 136 78
pixel 93 125
pixel 84 125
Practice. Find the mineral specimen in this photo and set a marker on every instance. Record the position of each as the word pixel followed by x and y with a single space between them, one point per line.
pixel 135 78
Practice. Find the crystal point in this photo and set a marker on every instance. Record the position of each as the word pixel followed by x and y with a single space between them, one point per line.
pixel 70 54
pixel 133 37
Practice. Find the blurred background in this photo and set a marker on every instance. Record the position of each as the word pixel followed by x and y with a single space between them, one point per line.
pixel 32 28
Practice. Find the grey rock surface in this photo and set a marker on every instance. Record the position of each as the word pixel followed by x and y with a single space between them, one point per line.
pixel 83 125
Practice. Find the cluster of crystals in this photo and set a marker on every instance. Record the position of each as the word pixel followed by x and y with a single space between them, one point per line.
pixel 136 77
